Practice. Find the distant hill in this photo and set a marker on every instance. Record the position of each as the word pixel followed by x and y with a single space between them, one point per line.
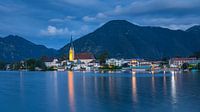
pixel 122 39
pixel 15 48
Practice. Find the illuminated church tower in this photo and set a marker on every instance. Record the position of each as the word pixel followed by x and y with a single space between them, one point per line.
pixel 71 51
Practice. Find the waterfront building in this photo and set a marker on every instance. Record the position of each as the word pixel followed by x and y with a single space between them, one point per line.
pixel 115 62
pixel 140 62
pixel 85 58
pixel 140 65
pixel 51 62
pixel 178 62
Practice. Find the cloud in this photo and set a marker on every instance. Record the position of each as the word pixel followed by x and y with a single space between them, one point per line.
pixel 98 17
pixel 82 2
pixel 101 15
pixel 8 8
pixel 65 19
pixel 157 7
pixel 177 27
pixel 57 18
pixel 88 19
pixel 70 17
pixel 53 31
pixel 118 9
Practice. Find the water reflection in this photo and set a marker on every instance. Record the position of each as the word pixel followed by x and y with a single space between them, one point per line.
pixel 134 88
pixel 55 84
pixel 128 93
pixel 153 84
pixel 21 84
pixel 71 91
pixel 111 86
pixel 173 87
pixel 84 85
pixel 96 85
pixel 164 85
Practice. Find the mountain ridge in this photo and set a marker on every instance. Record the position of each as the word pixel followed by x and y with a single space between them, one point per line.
pixel 15 48
pixel 129 40
pixel 120 38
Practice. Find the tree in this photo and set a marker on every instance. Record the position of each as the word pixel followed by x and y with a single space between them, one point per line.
pixel 198 66
pixel 185 66
pixel 102 58
pixel 33 63
pixel 196 54
pixel 2 65
pixel 63 57
pixel 40 64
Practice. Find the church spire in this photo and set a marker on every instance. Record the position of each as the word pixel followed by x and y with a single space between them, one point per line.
pixel 71 50
pixel 71 42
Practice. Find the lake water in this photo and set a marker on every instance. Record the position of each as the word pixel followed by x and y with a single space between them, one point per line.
pixel 95 92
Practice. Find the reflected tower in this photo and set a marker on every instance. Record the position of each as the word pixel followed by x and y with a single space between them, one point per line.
pixel 71 91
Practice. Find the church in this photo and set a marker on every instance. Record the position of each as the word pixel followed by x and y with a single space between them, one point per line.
pixel 71 51
pixel 85 57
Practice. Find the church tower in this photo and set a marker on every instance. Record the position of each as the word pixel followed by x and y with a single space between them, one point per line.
pixel 71 50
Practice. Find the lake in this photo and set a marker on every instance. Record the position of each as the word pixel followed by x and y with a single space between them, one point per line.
pixel 98 92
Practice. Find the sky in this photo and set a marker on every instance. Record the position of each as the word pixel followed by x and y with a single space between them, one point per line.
pixel 51 22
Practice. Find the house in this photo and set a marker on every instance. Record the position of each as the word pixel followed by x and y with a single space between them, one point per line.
pixel 85 58
pixel 115 62
pixel 178 62
pixel 140 65
pixel 51 62
pixel 140 62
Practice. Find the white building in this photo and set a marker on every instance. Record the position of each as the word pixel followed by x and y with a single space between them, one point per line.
pixel 85 58
pixel 52 62
pixel 115 62
pixel 178 62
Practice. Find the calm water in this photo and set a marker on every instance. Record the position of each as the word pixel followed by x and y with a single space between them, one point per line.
pixel 95 92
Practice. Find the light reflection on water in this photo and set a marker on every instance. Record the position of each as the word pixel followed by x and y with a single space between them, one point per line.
pixel 71 91
pixel 85 92
pixel 173 87
pixel 134 88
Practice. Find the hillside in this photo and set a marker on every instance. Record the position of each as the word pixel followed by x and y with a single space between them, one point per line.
pixel 15 48
pixel 122 39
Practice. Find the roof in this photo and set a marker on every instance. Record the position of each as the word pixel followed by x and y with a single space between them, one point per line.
pixel 180 59
pixel 48 59
pixel 84 56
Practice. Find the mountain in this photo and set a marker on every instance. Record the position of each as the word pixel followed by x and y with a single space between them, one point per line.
pixel 122 39
pixel 194 29
pixel 15 48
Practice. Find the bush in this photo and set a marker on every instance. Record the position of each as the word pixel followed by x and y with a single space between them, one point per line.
pixel 185 66
pixel 198 66
pixel 2 65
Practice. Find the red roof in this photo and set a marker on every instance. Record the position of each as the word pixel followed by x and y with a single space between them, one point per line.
pixel 84 56
pixel 181 59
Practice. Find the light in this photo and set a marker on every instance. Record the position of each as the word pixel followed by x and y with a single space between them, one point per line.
pixel 133 72
pixel 71 54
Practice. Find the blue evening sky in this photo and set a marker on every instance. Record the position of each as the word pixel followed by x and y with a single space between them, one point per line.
pixel 51 22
